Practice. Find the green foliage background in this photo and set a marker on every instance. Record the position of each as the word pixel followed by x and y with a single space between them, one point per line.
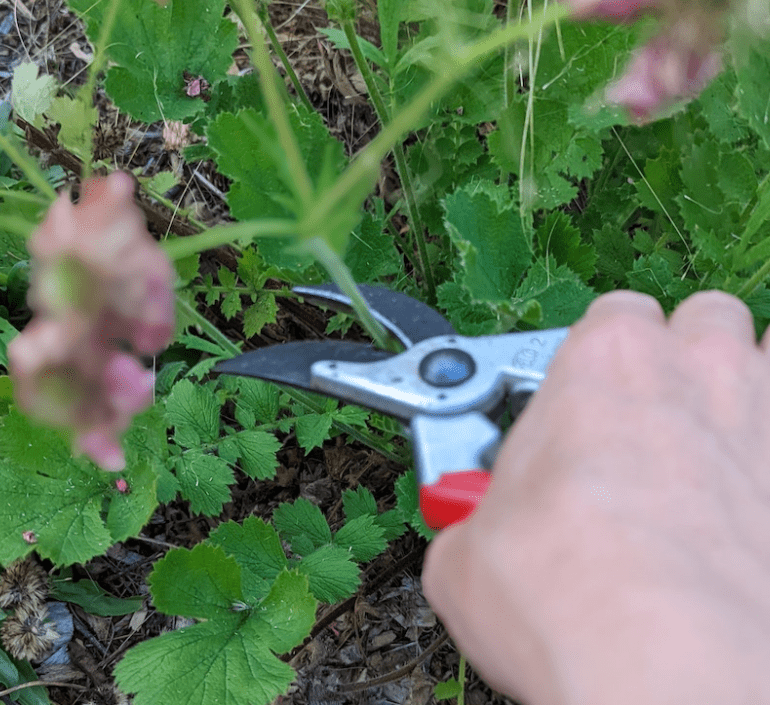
pixel 525 198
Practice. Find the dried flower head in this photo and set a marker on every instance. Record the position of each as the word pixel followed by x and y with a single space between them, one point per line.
pixel 24 584
pixel 102 293
pixel 27 634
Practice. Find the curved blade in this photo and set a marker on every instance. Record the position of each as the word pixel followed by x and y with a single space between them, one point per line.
pixel 408 320
pixel 290 363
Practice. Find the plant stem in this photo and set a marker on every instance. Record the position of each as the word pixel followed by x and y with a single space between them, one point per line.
pixel 341 275
pixel 278 49
pixel 275 96
pixel 355 182
pixel 461 680
pixel 100 59
pixel 182 247
pixel 398 152
pixel 28 166
pixel 754 280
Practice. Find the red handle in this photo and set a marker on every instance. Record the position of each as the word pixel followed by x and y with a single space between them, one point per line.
pixel 453 498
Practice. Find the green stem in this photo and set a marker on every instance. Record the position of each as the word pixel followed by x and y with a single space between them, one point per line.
pixel 461 680
pixel 275 95
pixel 278 49
pixel 357 179
pixel 404 176
pixel 27 165
pixel 182 247
pixel 754 281
pixel 342 277
pixel 100 59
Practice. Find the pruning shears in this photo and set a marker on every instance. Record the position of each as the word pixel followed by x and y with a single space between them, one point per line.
pixel 448 390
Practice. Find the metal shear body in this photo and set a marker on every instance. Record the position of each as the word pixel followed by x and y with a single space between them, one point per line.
pixel 448 390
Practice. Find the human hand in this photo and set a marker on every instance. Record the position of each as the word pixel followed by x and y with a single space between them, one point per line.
pixel 619 556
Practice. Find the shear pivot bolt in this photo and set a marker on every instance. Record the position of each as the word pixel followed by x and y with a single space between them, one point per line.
pixel 447 368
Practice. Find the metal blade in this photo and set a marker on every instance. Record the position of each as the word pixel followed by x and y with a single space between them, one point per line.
pixel 408 320
pixel 290 363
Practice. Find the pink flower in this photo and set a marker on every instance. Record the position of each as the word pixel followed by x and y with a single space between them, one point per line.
pixel 677 64
pixel 102 292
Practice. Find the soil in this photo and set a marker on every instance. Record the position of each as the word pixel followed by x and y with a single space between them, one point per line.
pixel 383 645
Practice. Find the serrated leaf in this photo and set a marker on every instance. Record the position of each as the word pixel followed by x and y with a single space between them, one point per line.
pixel 261 312
pixel 228 660
pixel 448 689
pixel 331 573
pixel 153 45
pixel 358 502
pixel 300 520
pixel 257 549
pixel 562 296
pixel 231 305
pixel 557 236
pixel 70 505
pixel 31 94
pixel 362 537
pixel 260 398
pixel 77 118
pixel 256 450
pixel 312 430
pixel 128 513
pixel 194 412
pixel 487 231
pixel 202 583
pixel 408 505
pixel 204 480
pixel 371 252
pixel 615 255
pixel 752 72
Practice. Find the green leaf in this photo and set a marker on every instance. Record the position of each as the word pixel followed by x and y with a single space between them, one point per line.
pixel 562 296
pixel 358 502
pixel 13 673
pixel 753 101
pixel 485 226
pixel 256 450
pixel 258 399
pixel 77 117
pixel 7 334
pixel 312 430
pixel 152 46
pixel 615 254
pixel 128 513
pixel 72 507
pixel 257 549
pixel 303 525
pixel 194 412
pixel 448 689
pixel 371 252
pixel 204 480
pixel 31 95
pixel 88 595
pixel 557 236
pixel 263 184
pixel 262 311
pixel 202 583
pixel 228 660
pixel 408 505
pixel 331 573
pixel 362 537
